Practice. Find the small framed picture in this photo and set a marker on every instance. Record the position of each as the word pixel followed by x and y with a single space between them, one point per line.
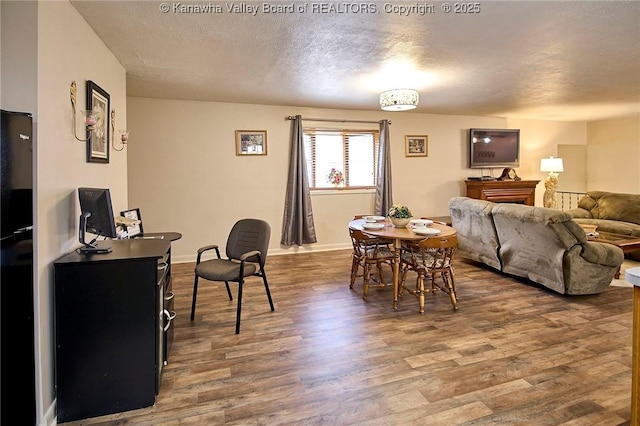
pixel 251 142
pixel 98 140
pixel 134 229
pixel 416 146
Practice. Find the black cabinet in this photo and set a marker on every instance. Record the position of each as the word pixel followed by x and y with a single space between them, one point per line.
pixel 110 328
pixel 17 329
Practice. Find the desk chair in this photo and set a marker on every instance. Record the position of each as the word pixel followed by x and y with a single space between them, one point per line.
pixel 428 258
pixel 246 252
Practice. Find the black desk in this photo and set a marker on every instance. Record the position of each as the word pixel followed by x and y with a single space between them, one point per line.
pixel 110 320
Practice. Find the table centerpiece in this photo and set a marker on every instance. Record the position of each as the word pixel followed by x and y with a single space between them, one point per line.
pixel 400 215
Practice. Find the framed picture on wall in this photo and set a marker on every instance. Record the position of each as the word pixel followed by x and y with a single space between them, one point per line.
pixel 98 140
pixel 251 142
pixel 416 146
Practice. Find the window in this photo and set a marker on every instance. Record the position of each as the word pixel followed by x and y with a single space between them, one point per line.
pixel 352 152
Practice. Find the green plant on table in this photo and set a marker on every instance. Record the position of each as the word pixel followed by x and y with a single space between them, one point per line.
pixel 400 211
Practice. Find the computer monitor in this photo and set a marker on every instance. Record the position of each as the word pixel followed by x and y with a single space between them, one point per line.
pixel 96 218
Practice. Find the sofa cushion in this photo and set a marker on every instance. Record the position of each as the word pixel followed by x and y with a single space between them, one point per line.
pixel 533 242
pixel 548 247
pixel 614 226
pixel 612 206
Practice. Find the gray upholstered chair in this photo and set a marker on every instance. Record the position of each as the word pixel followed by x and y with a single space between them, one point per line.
pixel 246 253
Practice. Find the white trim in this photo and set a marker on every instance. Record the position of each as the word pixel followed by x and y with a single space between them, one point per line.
pixel 345 191
pixel 274 252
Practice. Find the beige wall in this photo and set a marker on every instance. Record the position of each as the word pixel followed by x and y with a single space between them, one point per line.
pixel 613 155
pixel 574 177
pixel 184 174
pixel 66 49
pixel 181 170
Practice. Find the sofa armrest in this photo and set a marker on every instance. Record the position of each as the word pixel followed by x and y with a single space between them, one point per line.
pixel 602 253
pixel 579 213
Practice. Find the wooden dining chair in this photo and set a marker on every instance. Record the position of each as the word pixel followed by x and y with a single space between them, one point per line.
pixel 430 258
pixel 369 252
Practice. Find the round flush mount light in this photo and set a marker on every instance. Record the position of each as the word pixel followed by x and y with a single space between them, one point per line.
pixel 399 99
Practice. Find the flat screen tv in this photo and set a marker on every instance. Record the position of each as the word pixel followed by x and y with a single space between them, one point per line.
pixel 494 148
pixel 96 218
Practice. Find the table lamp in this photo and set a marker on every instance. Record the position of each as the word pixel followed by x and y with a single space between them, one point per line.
pixel 553 166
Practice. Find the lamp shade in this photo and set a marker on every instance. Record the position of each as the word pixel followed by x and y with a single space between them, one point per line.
pixel 552 165
pixel 399 99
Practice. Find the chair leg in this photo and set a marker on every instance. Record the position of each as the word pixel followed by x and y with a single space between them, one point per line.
pixel 266 287
pixel 354 270
pixel 448 279
pixel 420 290
pixel 401 280
pixel 226 283
pixel 193 300
pixel 380 273
pixel 365 285
pixel 453 282
pixel 240 284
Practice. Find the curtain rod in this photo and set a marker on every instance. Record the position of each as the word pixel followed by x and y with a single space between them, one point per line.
pixel 291 117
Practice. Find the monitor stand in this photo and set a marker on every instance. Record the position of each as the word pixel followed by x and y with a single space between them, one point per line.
pixel 94 250
pixel 89 247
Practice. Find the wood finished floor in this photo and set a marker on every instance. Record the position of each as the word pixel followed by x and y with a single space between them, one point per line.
pixel 512 354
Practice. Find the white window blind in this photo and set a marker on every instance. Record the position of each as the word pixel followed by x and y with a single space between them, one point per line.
pixel 352 152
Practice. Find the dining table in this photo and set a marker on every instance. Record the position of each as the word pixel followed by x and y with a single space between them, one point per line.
pixel 398 235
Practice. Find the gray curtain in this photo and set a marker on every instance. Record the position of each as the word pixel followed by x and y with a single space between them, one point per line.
pixel 297 223
pixel 384 200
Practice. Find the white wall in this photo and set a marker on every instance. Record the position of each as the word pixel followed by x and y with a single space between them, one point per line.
pixel 184 174
pixel 36 75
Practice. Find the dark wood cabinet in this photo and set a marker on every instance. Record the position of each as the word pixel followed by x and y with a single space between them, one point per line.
pixel 110 327
pixel 503 191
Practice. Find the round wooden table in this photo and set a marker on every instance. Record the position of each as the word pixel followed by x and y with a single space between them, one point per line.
pixel 398 235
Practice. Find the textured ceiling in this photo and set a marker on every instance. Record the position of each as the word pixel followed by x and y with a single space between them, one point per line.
pixel 564 60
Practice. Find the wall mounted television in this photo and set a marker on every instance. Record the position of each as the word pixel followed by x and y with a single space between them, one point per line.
pixel 494 148
pixel 96 217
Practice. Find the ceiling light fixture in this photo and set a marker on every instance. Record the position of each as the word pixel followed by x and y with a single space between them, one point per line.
pixel 399 99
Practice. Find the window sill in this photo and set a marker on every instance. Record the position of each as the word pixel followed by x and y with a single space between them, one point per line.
pixel 342 191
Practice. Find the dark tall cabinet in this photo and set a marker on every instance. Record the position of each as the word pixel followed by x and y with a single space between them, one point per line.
pixel 110 328
pixel 16 261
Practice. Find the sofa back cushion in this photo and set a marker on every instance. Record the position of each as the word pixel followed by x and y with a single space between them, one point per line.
pixel 477 238
pixel 534 240
pixel 612 206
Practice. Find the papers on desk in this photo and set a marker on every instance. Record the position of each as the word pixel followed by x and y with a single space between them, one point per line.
pixel 125 221
pixel 132 226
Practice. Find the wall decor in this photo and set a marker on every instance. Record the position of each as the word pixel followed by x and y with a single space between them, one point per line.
pixel 98 140
pixel 251 142
pixel 416 146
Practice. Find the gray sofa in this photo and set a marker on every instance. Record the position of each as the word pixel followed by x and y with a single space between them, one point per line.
pixel 610 212
pixel 542 245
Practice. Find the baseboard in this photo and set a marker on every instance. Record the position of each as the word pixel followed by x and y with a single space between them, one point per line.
pixel 307 248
